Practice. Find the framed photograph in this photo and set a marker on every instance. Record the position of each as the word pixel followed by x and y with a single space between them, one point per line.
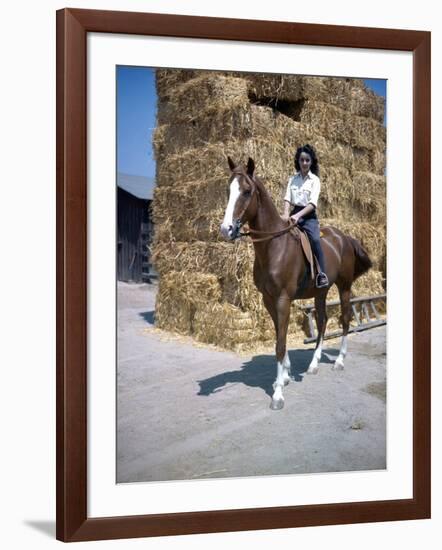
pixel 236 201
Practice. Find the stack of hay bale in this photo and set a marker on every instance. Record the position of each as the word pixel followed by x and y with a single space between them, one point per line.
pixel 206 287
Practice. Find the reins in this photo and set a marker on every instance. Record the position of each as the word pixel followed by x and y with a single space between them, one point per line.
pixel 269 234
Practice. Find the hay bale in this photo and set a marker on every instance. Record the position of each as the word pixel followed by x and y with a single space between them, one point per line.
pixel 197 289
pixel 202 97
pixel 215 108
pixel 222 126
pixel 347 93
pixel 210 161
pixel 352 196
pixel 341 126
pixel 273 159
pixel 240 123
pixel 370 197
pixel 194 212
pixel 179 296
pixel 166 80
pixel 173 314
pixel 224 325
pixel 267 134
pixel 230 263
pixel 272 88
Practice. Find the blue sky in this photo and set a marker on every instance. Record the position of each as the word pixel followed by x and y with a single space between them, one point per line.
pixel 136 112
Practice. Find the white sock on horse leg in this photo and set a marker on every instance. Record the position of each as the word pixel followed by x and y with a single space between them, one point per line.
pixel 279 375
pixel 313 367
pixel 318 351
pixel 342 353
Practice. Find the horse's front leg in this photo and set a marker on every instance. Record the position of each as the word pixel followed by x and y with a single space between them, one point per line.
pixel 286 367
pixel 270 304
pixel 282 307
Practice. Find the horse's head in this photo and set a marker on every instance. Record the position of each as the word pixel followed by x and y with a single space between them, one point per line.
pixel 243 196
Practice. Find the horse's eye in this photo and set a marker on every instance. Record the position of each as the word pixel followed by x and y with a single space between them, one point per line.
pixel 247 193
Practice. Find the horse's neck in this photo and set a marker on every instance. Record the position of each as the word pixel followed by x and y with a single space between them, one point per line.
pixel 267 217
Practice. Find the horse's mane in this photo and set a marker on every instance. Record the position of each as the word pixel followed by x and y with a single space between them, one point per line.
pixel 265 196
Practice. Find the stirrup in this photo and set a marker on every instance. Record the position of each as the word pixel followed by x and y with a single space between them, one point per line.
pixel 321 280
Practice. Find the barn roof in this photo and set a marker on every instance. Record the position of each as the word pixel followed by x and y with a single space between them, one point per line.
pixel 139 186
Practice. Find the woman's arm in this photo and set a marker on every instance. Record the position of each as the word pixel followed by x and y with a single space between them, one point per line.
pixel 286 214
pixel 306 210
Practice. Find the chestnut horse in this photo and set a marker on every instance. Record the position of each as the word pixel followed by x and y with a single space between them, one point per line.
pixel 280 271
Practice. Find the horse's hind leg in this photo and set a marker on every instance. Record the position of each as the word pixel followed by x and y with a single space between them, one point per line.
pixel 321 322
pixel 344 294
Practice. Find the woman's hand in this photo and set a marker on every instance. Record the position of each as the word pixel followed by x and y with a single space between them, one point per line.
pixel 295 219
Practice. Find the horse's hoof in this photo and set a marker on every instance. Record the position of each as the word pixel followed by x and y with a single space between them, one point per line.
pixel 286 381
pixel 277 404
pixel 338 366
pixel 313 370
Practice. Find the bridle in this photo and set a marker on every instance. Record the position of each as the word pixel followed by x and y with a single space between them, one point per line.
pixel 265 235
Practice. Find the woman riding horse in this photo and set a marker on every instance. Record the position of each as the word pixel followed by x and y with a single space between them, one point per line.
pixel 280 269
pixel 301 200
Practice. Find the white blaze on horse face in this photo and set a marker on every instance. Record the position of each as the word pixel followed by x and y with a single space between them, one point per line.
pixel 226 226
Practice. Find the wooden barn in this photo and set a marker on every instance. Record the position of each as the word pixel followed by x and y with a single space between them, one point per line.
pixel 135 228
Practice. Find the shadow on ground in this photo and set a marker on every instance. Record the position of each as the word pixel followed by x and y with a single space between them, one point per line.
pixel 148 316
pixel 260 372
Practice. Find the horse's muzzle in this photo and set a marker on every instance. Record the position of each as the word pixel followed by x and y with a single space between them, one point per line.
pixel 236 229
pixel 231 232
pixel 226 231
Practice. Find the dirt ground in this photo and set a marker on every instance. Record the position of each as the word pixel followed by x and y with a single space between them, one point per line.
pixel 185 411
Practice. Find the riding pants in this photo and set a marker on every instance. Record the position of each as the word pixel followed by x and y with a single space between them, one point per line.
pixel 310 225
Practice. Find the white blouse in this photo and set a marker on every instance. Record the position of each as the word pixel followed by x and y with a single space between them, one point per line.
pixel 301 192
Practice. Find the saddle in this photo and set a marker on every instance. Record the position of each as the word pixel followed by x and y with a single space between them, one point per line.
pixel 308 253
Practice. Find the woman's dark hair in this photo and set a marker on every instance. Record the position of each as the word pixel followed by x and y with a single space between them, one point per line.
pixel 310 151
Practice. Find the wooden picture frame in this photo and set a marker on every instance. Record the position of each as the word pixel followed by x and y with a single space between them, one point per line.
pixel 73 523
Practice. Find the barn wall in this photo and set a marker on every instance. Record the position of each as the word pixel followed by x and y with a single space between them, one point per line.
pixel 132 226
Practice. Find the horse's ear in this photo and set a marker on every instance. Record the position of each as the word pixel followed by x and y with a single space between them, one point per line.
pixel 232 165
pixel 250 166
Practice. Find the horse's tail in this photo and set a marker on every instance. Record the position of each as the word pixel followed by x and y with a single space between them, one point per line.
pixel 362 259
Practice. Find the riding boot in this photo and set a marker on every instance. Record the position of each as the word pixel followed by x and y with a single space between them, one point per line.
pixel 322 280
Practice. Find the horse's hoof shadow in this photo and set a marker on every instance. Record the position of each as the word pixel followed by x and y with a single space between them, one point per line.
pixel 277 404
pixel 337 366
pixel 314 370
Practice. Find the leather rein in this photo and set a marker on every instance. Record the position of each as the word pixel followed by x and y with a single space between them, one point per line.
pixel 268 234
